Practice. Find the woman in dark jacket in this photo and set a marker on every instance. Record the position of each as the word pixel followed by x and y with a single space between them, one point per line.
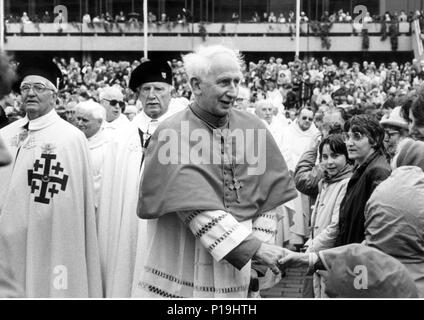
pixel 364 142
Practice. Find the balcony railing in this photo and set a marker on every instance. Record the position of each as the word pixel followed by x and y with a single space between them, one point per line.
pixel 212 29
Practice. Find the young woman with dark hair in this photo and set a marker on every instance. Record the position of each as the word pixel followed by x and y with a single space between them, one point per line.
pixel 364 141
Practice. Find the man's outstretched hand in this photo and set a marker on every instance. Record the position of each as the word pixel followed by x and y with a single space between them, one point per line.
pixel 293 259
pixel 269 255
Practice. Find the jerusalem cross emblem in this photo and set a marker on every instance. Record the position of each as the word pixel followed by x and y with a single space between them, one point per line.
pixel 46 177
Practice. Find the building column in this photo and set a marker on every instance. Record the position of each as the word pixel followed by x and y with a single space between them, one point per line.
pixel 382 5
pixel 86 56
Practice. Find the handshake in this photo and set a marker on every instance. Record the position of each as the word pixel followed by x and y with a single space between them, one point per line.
pixel 278 258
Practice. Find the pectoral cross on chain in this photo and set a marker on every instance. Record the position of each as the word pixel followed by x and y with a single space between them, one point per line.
pixel 236 185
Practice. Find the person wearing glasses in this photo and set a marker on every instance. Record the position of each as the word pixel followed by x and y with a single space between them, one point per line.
pixel 47 221
pixel 112 99
pixel 396 133
pixel 297 138
pixel 365 145
pixel 118 225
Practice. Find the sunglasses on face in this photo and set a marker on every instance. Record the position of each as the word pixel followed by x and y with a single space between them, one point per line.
pixel 310 119
pixel 115 102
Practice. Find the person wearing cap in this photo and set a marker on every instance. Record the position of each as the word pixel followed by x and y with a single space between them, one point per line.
pixel 396 130
pixel 118 225
pixel 210 219
pixel 112 99
pixel 90 117
pixel 47 221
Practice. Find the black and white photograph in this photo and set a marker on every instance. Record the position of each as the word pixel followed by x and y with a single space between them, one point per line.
pixel 225 152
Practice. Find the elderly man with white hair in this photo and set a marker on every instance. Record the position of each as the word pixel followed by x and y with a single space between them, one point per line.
pixel 266 110
pixel 90 118
pixel 121 234
pixel 211 214
pixel 112 99
pixel 243 100
pixel 297 137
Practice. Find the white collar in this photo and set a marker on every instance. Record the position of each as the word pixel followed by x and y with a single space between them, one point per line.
pixel 142 120
pixel 41 122
pixel 98 139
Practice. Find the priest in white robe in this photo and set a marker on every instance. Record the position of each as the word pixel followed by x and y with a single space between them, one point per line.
pixel 297 137
pixel 118 227
pixel 47 220
pixel 90 118
pixel 267 111
pixel 112 99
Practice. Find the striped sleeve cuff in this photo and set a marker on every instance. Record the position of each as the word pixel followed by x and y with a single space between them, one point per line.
pixel 217 230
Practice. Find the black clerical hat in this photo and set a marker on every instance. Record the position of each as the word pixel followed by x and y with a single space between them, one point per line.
pixel 150 71
pixel 37 66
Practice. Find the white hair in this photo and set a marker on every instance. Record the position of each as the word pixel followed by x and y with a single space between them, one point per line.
pixel 111 93
pixel 265 103
pixel 198 63
pixel 92 107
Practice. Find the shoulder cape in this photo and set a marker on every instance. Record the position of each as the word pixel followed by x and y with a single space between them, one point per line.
pixel 182 174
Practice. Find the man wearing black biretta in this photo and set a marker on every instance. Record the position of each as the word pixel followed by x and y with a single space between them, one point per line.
pixel 46 194
pixel 152 81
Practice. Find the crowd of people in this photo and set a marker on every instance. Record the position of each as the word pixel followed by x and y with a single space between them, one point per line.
pixel 366 87
pixel 185 16
pixel 342 176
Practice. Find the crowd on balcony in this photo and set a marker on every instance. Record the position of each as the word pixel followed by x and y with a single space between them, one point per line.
pixel 185 16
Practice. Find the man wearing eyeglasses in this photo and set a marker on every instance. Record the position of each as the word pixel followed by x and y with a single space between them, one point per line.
pixel 118 225
pixel 112 99
pixel 47 220
pixel 396 130
pixel 297 138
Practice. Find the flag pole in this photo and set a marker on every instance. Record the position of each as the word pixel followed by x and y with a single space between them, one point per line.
pixel 145 27
pixel 297 29
pixel 2 23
